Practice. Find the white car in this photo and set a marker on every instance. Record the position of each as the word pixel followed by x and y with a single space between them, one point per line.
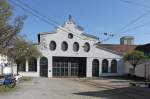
pixel 17 77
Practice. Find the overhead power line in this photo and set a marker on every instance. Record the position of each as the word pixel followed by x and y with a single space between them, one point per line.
pixel 39 13
pixel 138 18
pixel 120 31
pixel 135 3
pixel 133 28
pixel 35 15
pixel 134 21
pixel 139 26
pixel 42 18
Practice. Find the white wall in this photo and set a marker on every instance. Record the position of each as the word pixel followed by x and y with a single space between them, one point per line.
pixel 29 74
pixel 3 61
pixel 59 36
pixel 139 70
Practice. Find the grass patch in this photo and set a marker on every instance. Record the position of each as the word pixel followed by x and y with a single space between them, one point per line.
pixel 26 78
pixel 4 89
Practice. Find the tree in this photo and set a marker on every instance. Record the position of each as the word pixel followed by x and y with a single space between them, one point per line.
pixel 22 51
pixel 11 43
pixel 135 58
pixel 8 30
pixel 10 39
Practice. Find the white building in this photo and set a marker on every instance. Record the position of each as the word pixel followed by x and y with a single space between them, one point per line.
pixel 3 61
pixel 70 52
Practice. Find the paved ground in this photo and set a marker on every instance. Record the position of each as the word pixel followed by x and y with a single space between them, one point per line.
pixel 115 89
pixel 46 88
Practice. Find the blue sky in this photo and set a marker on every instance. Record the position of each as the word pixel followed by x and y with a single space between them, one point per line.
pixel 95 16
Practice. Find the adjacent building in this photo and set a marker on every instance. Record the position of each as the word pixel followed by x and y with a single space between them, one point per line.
pixel 3 62
pixel 127 40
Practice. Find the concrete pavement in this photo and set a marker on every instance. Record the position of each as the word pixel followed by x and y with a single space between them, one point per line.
pixel 65 88
pixel 47 88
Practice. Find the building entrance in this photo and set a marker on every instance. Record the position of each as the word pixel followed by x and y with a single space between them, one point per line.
pixel 69 67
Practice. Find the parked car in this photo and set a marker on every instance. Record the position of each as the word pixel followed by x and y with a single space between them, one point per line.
pixel 17 77
pixel 2 81
pixel 9 81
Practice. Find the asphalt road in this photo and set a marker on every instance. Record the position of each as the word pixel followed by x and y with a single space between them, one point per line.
pixel 47 88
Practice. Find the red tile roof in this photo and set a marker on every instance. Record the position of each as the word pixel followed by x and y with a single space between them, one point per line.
pixel 119 49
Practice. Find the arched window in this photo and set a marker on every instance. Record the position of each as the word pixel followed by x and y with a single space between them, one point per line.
pixel 95 68
pixel 52 45
pixel 33 64
pixel 21 65
pixel 70 35
pixel 114 66
pixel 86 47
pixel 75 46
pixel 105 66
pixel 64 46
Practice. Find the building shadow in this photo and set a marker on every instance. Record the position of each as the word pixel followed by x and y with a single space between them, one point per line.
pixel 119 93
pixel 124 77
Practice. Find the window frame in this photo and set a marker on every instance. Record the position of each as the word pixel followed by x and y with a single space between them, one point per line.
pixel 32 64
pixel 76 44
pixel 64 46
pixel 86 44
pixel 54 47
pixel 70 35
pixel 105 66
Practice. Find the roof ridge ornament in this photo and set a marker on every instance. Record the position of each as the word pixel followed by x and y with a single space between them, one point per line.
pixel 70 19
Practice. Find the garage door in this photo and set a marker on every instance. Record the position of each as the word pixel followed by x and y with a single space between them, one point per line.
pixel 69 67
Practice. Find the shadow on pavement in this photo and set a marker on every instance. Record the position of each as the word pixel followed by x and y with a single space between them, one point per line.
pixel 119 93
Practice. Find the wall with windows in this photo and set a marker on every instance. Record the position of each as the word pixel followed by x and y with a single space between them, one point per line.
pixel 65 46
pixel 69 41
pixel 29 68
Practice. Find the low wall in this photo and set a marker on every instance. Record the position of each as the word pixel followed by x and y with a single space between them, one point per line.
pixel 29 74
pixel 142 70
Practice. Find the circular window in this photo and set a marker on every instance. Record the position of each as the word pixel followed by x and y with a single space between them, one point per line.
pixel 52 45
pixel 75 46
pixel 86 47
pixel 70 35
pixel 64 46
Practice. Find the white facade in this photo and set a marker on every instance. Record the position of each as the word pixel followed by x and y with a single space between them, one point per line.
pixel 3 61
pixel 79 36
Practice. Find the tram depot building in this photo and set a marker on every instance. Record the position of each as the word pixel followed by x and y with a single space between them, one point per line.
pixel 70 52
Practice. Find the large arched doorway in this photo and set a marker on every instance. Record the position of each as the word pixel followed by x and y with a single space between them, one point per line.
pixel 95 68
pixel 113 66
pixel 105 66
pixel 44 67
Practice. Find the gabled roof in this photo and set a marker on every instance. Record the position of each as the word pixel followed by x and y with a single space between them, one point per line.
pixel 69 24
pixel 91 36
pixel 45 33
pixel 106 49
pixel 118 49
pixel 145 48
